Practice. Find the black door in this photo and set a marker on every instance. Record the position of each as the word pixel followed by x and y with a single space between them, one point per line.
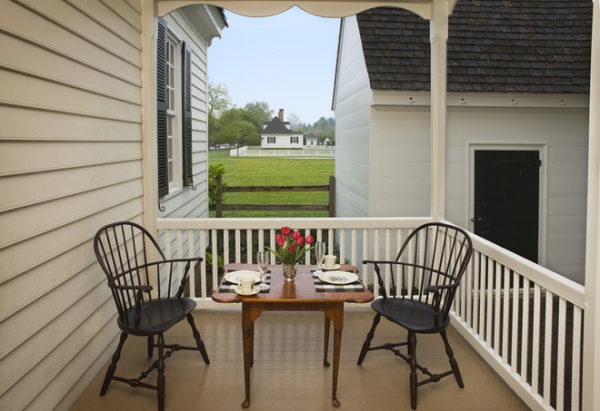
pixel 507 199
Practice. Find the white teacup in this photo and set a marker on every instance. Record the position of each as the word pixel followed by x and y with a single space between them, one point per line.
pixel 246 284
pixel 329 262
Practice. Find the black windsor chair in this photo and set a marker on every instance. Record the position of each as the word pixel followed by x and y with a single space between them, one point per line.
pixel 149 301
pixel 424 279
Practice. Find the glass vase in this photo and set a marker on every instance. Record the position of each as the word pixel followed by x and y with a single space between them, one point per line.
pixel 289 272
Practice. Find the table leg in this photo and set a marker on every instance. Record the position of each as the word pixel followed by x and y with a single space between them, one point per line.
pixel 247 337
pixel 326 341
pixel 336 314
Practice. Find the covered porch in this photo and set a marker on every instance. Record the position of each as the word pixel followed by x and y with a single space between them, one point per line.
pixel 519 325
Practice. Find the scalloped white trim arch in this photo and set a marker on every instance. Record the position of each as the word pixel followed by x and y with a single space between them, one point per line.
pixel 324 8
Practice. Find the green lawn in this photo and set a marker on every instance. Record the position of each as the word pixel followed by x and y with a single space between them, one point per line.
pixel 278 171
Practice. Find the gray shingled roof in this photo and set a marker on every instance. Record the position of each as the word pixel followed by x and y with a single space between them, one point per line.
pixel 276 126
pixel 540 46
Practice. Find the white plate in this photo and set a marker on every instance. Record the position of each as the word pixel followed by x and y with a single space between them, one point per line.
pixel 255 290
pixel 234 277
pixel 335 267
pixel 338 277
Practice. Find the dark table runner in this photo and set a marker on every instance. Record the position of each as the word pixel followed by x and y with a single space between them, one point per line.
pixel 320 286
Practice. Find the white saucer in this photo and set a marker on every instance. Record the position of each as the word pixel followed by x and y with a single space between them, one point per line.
pixel 336 267
pixel 255 290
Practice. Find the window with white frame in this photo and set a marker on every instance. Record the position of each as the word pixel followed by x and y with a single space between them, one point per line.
pixel 294 140
pixel 270 140
pixel 174 111
pixel 173 85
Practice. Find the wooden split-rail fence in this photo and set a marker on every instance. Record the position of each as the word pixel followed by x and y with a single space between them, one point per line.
pixel 219 207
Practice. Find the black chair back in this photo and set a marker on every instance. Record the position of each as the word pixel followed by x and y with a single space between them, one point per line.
pixel 429 266
pixel 132 262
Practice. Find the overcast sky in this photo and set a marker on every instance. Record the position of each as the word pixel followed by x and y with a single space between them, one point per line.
pixel 287 60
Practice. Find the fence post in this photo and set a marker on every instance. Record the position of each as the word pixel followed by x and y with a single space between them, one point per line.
pixel 331 196
pixel 219 204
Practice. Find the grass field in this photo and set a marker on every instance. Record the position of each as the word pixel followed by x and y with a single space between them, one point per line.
pixel 277 171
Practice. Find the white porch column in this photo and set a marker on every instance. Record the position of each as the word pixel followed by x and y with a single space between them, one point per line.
pixel 439 38
pixel 591 349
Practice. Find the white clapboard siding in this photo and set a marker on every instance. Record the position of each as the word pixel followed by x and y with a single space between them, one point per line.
pixel 56 184
pixel 352 103
pixel 70 161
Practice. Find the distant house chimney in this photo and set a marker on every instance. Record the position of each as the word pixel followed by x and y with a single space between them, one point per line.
pixel 281 115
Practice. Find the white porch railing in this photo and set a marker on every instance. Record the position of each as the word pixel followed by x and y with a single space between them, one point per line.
pixel 524 320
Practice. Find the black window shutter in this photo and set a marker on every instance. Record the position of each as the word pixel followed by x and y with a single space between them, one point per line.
pixel 187 115
pixel 161 108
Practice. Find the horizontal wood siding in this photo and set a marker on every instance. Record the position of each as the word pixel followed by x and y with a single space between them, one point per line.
pixel 70 161
pixel 401 162
pixel 352 111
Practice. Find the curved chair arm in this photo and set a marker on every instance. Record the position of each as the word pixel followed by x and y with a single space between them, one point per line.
pixel 185 278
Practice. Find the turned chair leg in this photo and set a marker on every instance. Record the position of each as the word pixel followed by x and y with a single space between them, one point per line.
pixel 150 346
pixel 367 343
pixel 452 360
pixel 110 372
pixel 160 367
pixel 199 342
pixel 412 352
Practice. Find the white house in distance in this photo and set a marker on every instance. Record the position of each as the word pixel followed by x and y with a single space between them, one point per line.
pixel 311 140
pixel 277 133
pixel 517 122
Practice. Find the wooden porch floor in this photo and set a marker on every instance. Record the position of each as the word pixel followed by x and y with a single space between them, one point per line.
pixel 288 373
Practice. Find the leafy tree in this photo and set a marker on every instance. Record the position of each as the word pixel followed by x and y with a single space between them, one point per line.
pixel 259 112
pixel 295 123
pixel 233 127
pixel 219 101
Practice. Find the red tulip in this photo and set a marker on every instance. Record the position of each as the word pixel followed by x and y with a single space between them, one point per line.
pixel 280 240
pixel 291 248
pixel 299 241
pixel 310 239
pixel 285 230
pixel 296 235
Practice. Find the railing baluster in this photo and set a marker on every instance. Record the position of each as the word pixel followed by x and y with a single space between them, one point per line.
pixel 506 317
pixel 489 324
pixel 560 357
pixel 514 322
pixel 548 347
pixel 498 273
pixel 576 358
pixel 525 331
pixel 535 352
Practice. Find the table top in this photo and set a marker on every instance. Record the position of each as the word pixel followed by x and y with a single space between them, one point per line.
pixel 302 289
